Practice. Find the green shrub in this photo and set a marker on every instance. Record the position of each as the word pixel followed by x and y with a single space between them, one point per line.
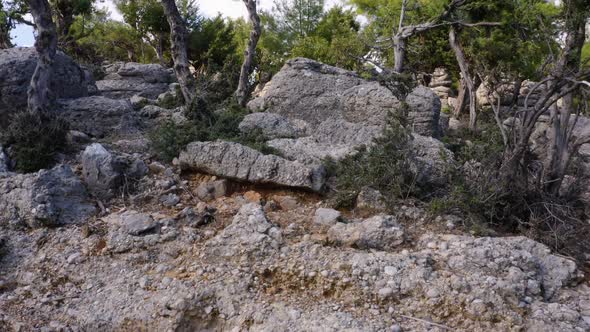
pixel 34 140
pixel 170 138
pixel 384 166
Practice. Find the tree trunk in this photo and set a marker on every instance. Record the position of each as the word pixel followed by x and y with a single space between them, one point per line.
pixel 462 99
pixel 243 85
pixel 178 36
pixel 39 94
pixel 469 81
pixel 399 53
pixel 558 153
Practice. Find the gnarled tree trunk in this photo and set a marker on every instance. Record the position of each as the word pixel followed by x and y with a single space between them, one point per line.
pixel 467 78
pixel 39 95
pixel 178 37
pixel 249 53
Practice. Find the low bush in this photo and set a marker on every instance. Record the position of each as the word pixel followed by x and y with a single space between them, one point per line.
pixel 34 139
pixel 384 166
pixel 170 138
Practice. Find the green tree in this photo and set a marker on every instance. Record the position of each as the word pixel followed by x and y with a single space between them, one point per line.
pixel 335 41
pixel 298 17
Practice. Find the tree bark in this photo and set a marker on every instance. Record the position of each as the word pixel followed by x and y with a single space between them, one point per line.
pixel 558 153
pixel 243 85
pixel 40 96
pixel 462 99
pixel 178 37
pixel 468 79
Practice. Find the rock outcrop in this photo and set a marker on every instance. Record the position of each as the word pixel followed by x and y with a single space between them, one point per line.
pixel 238 162
pixel 46 198
pixel 104 172
pixel 313 112
pixel 124 80
pixel 100 116
pixel 17 66
pixel 315 93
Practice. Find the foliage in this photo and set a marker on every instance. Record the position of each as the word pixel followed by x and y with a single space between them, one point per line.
pixel 384 166
pixel 335 41
pixel 170 138
pixel 34 139
pixel 212 44
pixel 298 18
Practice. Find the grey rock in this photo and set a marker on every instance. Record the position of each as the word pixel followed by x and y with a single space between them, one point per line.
pixel 122 88
pixel 169 200
pixel 137 224
pixel 138 102
pixel 152 111
pixel 99 116
pixel 326 217
pixel 249 232
pixel 238 162
pixel 105 173
pixel 432 161
pixel 46 198
pixel 379 232
pixel 17 65
pixel 271 125
pixel 424 112
pixel 77 137
pixel 316 93
pixel 212 190
pixel 149 73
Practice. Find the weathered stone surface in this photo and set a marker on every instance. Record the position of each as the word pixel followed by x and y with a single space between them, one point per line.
pixel 122 88
pixel 316 93
pixel 249 232
pixel 379 232
pixel 235 161
pixel 326 217
pixel 105 173
pixel 211 190
pixel 46 198
pixel 136 223
pixel 271 125
pixel 431 160
pixel 99 116
pixel 424 115
pixel 16 69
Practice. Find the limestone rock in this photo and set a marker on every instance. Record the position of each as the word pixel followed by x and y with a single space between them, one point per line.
pixel 238 162
pixel 99 116
pixel 17 65
pixel 46 198
pixel 316 93
pixel 137 223
pixel 379 232
pixel 249 232
pixel 271 125
pixel 326 217
pixel 125 80
pixel 105 173
pixel 211 190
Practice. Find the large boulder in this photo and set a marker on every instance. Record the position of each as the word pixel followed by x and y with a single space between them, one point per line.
pixel 124 80
pixel 105 172
pixel 314 92
pixel 46 198
pixel 238 162
pixel 17 66
pixel 100 116
pixel 313 112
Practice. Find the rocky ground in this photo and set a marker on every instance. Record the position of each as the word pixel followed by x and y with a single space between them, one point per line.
pixel 112 240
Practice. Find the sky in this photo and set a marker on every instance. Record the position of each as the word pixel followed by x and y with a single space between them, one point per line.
pixel 23 35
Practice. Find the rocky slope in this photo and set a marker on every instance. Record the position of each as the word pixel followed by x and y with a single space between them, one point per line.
pixel 111 240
